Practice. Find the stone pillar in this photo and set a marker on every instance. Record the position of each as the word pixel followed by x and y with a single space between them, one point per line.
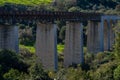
pixel 93 37
pixel 101 34
pixel 46 45
pixel 73 53
pixel 9 37
pixel 106 36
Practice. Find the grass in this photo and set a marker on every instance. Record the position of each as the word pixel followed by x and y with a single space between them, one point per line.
pixel 30 48
pixel 60 48
pixel 26 2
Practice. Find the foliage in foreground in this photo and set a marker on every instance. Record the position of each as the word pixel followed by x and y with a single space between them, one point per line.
pixel 14 67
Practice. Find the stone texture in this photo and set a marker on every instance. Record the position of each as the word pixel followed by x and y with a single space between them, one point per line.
pixel 9 37
pixel 93 37
pixel 106 36
pixel 46 45
pixel 73 53
pixel 109 34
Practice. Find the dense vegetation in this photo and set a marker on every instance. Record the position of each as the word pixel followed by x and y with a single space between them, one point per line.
pixel 23 66
pixel 98 4
pixel 20 67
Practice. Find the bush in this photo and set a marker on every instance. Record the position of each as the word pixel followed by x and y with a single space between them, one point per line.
pixel 26 36
pixel 37 72
pixel 71 74
pixel 101 58
pixel 75 74
pixel 12 74
pixel 60 75
pixel 74 9
pixel 9 59
pixel 104 72
pixel 25 52
pixel 117 73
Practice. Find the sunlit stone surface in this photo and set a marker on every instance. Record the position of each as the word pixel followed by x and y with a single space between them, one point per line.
pixel 46 45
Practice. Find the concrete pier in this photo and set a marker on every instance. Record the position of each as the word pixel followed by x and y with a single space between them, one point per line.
pixel 73 53
pixel 93 37
pixel 46 45
pixel 9 37
pixel 106 35
pixel 108 24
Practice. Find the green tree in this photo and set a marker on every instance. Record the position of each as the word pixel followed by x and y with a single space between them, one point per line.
pixel 8 60
pixel 38 73
pixel 61 75
pixel 104 72
pixel 62 33
pixel 12 74
pixel 117 73
pixel 75 74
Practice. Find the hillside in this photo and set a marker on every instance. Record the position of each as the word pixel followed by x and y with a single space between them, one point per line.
pixel 25 2
pixel 64 5
pixel 24 65
pixel 90 4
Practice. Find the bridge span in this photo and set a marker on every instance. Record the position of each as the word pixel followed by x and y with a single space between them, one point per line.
pixel 100 34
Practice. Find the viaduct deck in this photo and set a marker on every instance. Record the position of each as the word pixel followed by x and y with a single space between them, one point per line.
pixel 21 16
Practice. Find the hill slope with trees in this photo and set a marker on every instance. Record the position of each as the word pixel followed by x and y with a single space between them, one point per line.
pixel 25 2
pixel 23 66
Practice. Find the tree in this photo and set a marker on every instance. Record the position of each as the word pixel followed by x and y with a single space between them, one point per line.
pixel 8 60
pixel 117 73
pixel 12 74
pixel 62 33
pixel 104 72
pixel 38 73
pixel 26 36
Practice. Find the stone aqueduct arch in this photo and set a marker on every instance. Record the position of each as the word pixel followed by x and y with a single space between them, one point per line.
pixel 100 37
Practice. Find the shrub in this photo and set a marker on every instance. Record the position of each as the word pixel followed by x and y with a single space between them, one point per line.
pixel 74 9
pixel 12 74
pixel 37 72
pixel 117 73
pixel 25 52
pixel 104 72
pixel 9 59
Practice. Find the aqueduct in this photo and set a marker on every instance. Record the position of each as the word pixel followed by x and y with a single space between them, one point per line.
pixel 100 34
